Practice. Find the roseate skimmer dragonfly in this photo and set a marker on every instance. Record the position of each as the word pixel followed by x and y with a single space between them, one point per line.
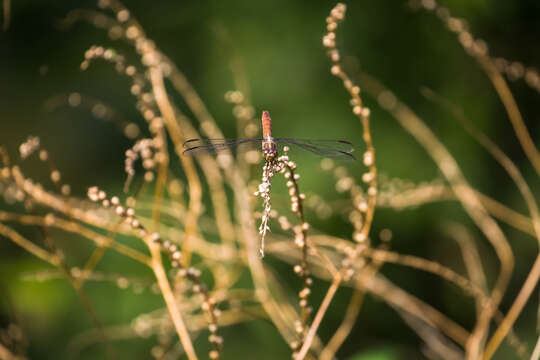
pixel 327 148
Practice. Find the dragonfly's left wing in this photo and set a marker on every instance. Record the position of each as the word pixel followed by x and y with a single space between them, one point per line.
pixel 211 146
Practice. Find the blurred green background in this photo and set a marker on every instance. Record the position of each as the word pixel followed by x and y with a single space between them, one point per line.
pixel 280 45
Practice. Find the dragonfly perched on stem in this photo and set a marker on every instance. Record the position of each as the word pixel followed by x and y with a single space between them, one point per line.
pixel 327 148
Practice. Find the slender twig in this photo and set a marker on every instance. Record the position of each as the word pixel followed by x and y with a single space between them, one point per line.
pixel 29 246
pixel 425 265
pixel 175 132
pixel 171 302
pixel 7 13
pixel 4 156
pixel 536 353
pixel 5 354
pixel 351 314
pixel 516 308
pixel 319 316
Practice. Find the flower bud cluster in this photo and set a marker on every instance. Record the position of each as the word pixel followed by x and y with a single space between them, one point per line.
pixel 32 145
pixel 127 213
pixel 28 147
pixel 515 70
pixel 146 151
pixel 474 47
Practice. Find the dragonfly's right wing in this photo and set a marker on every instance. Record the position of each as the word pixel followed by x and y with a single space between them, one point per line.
pixel 194 147
pixel 327 148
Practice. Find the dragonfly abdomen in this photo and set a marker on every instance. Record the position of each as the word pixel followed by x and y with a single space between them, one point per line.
pixel 269 145
pixel 266 125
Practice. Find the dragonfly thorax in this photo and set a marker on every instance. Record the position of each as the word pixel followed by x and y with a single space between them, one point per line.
pixel 269 149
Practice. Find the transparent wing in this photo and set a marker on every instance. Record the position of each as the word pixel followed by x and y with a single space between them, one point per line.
pixel 327 148
pixel 194 147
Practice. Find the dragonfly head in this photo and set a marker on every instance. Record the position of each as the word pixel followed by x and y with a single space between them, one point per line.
pixel 269 150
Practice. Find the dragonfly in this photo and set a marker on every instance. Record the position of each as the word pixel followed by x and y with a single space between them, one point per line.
pixel 340 149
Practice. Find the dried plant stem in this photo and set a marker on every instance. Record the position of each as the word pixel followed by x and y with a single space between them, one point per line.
pixel 319 316
pixel 523 135
pixel 325 259
pixel 7 12
pixel 29 246
pixel 437 346
pixel 160 184
pixel 536 353
pixel 471 257
pixel 506 214
pixel 170 300
pixel 4 156
pixel 351 314
pixel 157 264
pixel 297 200
pixel 372 190
pixel 195 191
pixel 425 265
pixel 515 310
pixel 90 265
pixel 397 297
pixel 5 354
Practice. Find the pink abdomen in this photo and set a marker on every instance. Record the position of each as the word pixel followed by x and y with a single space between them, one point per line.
pixel 266 125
